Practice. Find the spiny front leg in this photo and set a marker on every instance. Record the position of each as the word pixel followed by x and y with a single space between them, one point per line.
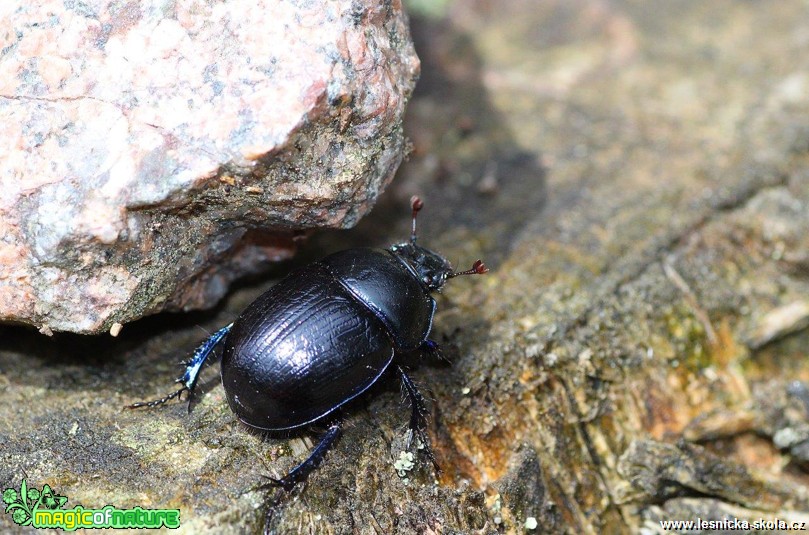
pixel 193 367
pixel 418 417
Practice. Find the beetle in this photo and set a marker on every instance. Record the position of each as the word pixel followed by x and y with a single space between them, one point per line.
pixel 322 336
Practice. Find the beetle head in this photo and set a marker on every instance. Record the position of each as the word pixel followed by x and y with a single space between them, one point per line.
pixel 431 268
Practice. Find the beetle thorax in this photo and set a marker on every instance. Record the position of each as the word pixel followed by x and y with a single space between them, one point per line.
pixel 429 267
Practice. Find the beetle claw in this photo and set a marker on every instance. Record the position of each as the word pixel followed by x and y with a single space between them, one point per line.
pixel 284 483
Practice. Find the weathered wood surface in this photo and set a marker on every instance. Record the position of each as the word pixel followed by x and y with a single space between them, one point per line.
pixel 637 178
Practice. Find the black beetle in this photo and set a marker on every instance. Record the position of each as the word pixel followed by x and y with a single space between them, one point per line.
pixel 323 335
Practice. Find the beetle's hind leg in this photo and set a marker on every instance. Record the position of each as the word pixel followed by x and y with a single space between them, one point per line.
pixel 299 473
pixel 418 418
pixel 193 367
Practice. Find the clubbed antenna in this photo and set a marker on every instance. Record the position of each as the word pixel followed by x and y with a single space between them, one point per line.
pixel 416 204
pixel 478 268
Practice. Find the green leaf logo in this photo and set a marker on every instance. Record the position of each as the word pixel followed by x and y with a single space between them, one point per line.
pixel 23 504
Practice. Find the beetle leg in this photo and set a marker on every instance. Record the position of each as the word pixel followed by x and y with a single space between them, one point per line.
pixel 193 367
pixel 430 346
pixel 418 417
pixel 433 350
pixel 201 354
pixel 299 473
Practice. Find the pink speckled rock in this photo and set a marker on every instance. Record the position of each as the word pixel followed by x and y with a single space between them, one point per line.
pixel 150 152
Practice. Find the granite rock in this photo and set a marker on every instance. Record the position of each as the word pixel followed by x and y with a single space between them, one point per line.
pixel 154 151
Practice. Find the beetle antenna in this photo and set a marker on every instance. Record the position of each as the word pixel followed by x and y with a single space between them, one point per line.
pixel 416 204
pixel 478 268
